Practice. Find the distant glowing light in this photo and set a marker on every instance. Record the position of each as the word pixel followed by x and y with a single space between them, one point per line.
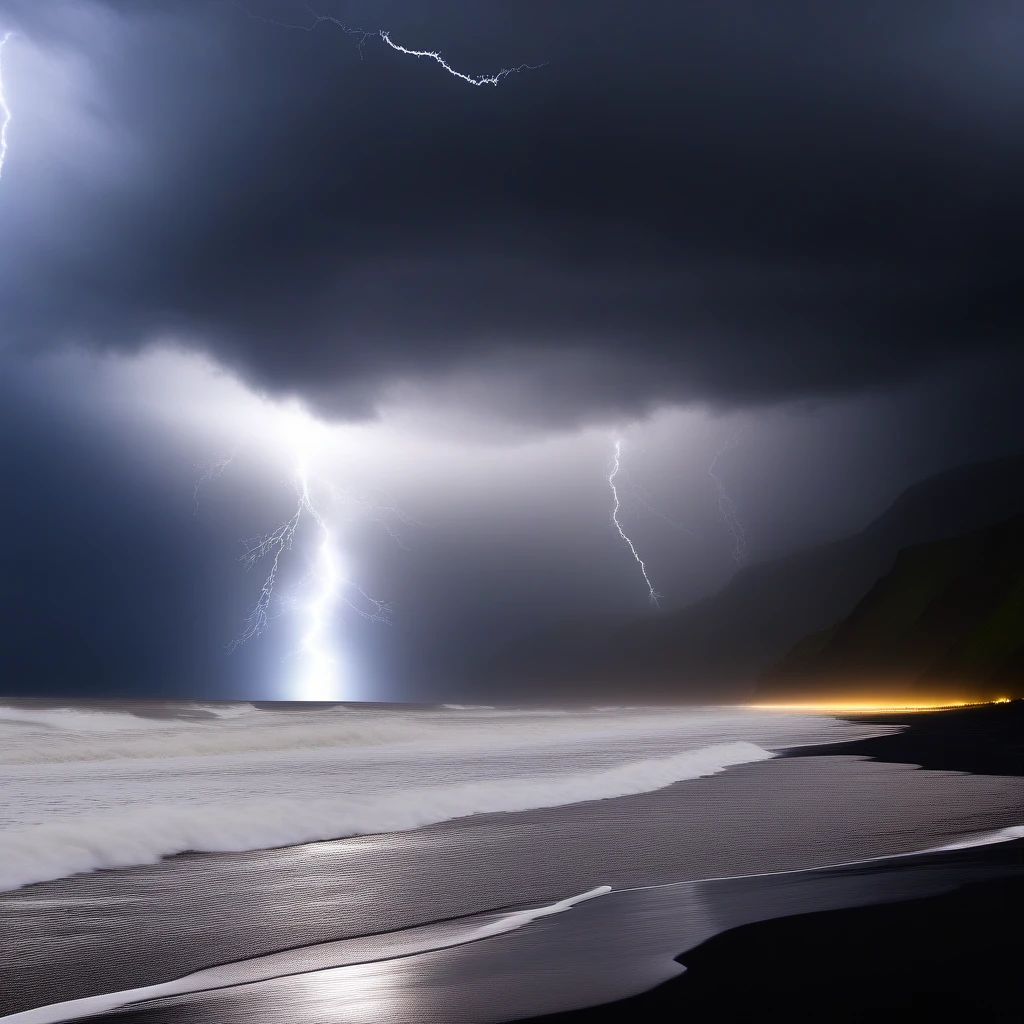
pixel 5 110
pixel 616 507
pixel 868 706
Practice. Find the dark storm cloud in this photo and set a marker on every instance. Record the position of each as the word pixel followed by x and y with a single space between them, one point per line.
pixel 730 202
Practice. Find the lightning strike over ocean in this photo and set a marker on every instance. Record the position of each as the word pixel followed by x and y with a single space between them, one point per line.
pixel 318 676
pixel 616 522
pixel 5 110
pixel 319 673
pixel 726 506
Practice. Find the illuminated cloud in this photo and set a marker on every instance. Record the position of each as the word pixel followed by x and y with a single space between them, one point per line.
pixel 581 246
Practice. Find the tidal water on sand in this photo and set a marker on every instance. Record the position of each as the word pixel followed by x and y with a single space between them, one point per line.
pixel 363 863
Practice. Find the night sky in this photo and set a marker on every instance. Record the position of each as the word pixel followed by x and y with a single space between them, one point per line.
pixel 795 226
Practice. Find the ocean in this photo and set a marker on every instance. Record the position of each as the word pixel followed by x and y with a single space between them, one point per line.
pixel 350 862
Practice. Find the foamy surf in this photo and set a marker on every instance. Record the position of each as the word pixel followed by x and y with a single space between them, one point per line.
pixel 69 736
pixel 87 789
pixel 510 922
pixel 147 834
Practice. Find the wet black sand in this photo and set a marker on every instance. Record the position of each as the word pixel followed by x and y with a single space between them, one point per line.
pixel 952 957
pixel 744 961
pixel 110 930
pixel 949 957
pixel 985 740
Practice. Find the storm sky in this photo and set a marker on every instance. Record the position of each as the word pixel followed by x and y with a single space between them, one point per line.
pixel 794 224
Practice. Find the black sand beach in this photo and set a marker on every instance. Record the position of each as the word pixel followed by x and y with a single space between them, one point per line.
pixel 949 957
pixel 953 956
pixel 756 841
pixel 984 740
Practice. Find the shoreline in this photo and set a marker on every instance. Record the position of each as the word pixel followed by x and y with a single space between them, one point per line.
pixel 985 739
pixel 772 827
pixel 922 959
pixel 926 959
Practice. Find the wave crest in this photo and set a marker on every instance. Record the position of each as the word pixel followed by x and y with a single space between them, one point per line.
pixel 146 835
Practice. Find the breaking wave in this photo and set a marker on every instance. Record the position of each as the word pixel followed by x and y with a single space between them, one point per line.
pixel 147 834
pixel 68 736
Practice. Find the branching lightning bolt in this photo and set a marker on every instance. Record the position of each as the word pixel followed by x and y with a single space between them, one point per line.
pixel 5 110
pixel 325 568
pixel 385 36
pixel 616 522
pixel 326 578
pixel 471 79
pixel 273 545
pixel 726 506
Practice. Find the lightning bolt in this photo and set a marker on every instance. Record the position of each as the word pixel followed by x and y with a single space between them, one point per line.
pixel 5 110
pixel 385 36
pixel 318 676
pixel 321 664
pixel 326 578
pixel 726 506
pixel 471 79
pixel 616 507
pixel 274 544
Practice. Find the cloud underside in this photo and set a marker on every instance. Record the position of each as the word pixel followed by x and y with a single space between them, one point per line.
pixel 731 206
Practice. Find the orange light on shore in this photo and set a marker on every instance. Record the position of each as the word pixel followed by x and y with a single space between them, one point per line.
pixel 876 706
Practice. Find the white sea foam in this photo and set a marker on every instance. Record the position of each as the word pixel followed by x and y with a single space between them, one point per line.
pixel 86 789
pixel 76 736
pixel 72 720
pixel 146 834
pixel 519 918
pixel 90 1006
pixel 413 940
pixel 1003 835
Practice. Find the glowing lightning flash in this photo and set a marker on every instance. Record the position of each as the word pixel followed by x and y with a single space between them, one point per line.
pixel 321 671
pixel 326 581
pixel 617 505
pixel 727 507
pixel 5 111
